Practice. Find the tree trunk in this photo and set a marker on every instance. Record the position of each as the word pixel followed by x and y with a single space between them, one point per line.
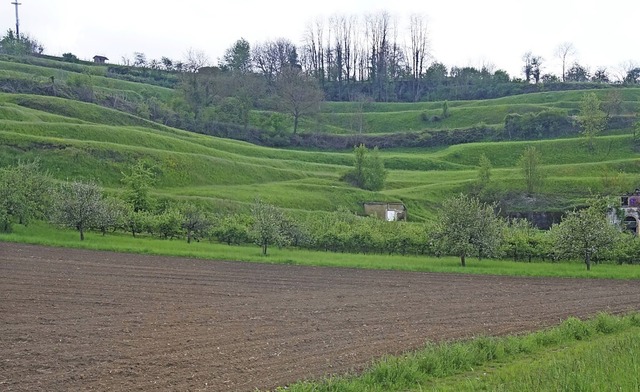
pixel 462 257
pixel 264 249
pixel 81 233
pixel 587 260
pixel 295 123
pixel 188 236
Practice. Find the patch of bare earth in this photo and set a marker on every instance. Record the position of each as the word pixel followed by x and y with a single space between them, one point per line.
pixel 86 320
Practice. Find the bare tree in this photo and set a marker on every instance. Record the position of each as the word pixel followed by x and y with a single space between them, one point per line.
pixel 419 46
pixel 564 51
pixel 272 57
pixel 195 59
pixel 299 94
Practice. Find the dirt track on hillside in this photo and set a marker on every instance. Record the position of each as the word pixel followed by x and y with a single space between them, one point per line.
pixel 83 320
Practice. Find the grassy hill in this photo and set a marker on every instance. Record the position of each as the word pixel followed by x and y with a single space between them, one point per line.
pixel 73 139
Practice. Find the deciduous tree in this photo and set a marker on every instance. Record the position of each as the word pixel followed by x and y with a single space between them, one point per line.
pixel 592 119
pixel 298 94
pixel 24 194
pixel 78 205
pixel 584 234
pixel 466 226
pixel 267 227
pixel 530 164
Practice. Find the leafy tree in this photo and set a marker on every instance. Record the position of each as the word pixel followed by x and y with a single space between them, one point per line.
pixel 298 94
pixel 267 226
pixel 194 222
pixel 445 110
pixel 135 222
pixel 591 118
pixel 484 170
pixel 24 194
pixel 577 73
pixel 169 223
pixel 238 57
pixel 530 162
pixel 368 172
pixel 521 239
pixel 600 76
pixel 70 57
pixel 465 226
pixel 78 205
pixel 19 46
pixel 138 181
pixel 232 230
pixel 632 76
pixel 112 215
pixel 584 233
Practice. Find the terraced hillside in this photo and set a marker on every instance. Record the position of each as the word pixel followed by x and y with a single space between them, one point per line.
pixel 73 139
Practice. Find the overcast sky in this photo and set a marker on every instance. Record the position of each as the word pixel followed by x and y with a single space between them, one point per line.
pixel 463 32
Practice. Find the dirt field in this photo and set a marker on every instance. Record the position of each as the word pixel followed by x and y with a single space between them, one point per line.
pixel 82 320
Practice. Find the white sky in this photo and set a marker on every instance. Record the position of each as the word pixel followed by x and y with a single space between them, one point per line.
pixel 463 32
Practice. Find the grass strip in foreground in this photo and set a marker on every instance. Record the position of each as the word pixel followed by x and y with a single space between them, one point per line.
pixel 601 354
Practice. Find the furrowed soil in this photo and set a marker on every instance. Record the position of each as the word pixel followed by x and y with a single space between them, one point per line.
pixel 84 320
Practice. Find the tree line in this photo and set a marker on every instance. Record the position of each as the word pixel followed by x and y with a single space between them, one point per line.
pixel 465 226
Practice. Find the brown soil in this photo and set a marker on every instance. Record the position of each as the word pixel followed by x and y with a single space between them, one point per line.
pixel 85 320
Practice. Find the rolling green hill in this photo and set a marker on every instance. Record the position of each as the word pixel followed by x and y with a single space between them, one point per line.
pixel 73 139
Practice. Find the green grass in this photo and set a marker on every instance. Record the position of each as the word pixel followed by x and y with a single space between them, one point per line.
pixel 44 234
pixel 601 354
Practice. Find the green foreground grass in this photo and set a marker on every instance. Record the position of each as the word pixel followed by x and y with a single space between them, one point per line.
pixel 602 354
pixel 45 234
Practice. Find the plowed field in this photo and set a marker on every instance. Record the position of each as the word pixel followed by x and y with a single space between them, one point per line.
pixel 84 320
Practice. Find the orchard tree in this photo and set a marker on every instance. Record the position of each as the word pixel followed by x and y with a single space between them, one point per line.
pixel 267 226
pixel 530 164
pixel 78 205
pixel 194 222
pixel 592 119
pixel 584 234
pixel 466 226
pixel 24 194
pixel 112 215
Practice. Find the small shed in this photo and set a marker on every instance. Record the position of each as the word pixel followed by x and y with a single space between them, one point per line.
pixel 100 59
pixel 389 211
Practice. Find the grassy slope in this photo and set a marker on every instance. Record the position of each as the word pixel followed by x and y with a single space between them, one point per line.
pixel 75 139
pixel 72 139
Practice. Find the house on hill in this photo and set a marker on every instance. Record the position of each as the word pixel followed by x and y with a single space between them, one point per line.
pixel 389 211
pixel 100 59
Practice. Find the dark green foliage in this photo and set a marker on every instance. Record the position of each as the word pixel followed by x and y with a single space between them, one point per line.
pixel 542 125
pixel 23 45
pixel 138 181
pixel 368 172
pixel 232 229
